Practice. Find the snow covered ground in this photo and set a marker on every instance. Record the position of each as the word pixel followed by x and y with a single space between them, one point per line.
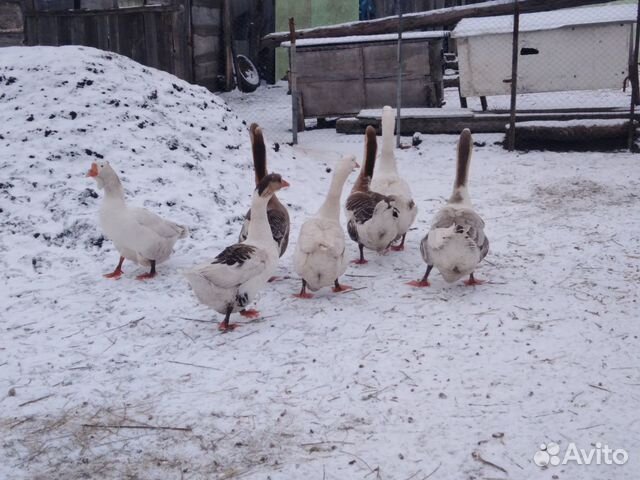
pixel 122 379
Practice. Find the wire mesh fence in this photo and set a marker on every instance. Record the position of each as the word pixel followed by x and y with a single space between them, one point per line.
pixel 572 65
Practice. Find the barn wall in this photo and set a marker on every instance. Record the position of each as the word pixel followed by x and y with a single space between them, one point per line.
pixel 11 24
pixel 206 28
pixel 156 36
pixel 252 20
pixel 183 37
pixel 335 80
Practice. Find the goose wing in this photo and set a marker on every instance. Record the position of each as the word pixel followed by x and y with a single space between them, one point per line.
pixel 459 221
pixel 279 223
pixel 363 204
pixel 318 235
pixel 234 266
pixel 157 224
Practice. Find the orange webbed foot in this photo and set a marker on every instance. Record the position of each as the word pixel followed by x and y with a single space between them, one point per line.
pixel 230 327
pixel 342 288
pixel 145 276
pixel 251 313
pixel 419 283
pixel 116 274
pixel 304 296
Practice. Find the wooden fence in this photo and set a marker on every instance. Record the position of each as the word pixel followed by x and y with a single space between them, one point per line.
pixel 156 36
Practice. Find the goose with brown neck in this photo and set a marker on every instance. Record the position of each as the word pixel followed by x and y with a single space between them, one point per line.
pixel 456 242
pixel 139 235
pixel 276 212
pixel 372 217
pixel 319 257
pixel 233 279
pixel 387 181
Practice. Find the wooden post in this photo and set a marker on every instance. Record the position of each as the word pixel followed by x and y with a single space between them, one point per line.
pixel 228 40
pixel 514 76
pixel 436 60
pixel 294 83
pixel 399 84
pixel 633 78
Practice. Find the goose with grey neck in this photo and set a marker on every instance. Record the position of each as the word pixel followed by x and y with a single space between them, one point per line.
pixel 456 242
pixel 372 217
pixel 138 234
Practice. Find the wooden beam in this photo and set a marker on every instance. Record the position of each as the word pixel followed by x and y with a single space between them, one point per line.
pixel 228 41
pixel 110 12
pixel 434 18
pixel 440 121
pixel 556 136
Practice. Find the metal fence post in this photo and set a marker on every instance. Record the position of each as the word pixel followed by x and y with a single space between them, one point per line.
pixel 399 84
pixel 633 78
pixel 514 76
pixel 294 84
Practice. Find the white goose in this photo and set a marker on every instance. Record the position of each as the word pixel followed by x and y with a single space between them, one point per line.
pixel 320 252
pixel 387 181
pixel 456 243
pixel 233 279
pixel 139 235
pixel 372 217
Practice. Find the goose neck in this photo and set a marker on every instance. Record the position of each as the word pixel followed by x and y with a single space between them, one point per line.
pixel 259 225
pixel 331 206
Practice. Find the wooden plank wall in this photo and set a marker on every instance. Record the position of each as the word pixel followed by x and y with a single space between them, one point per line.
pixel 338 80
pixel 11 23
pixel 156 36
pixel 253 19
pixel 208 65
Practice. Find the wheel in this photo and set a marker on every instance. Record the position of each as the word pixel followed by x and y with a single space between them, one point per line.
pixel 248 76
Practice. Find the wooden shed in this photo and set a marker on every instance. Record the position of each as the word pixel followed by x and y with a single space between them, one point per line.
pixel 562 50
pixel 188 38
pixel 341 76
pixel 309 13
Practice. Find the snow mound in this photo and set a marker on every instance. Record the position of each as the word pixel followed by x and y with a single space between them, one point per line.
pixel 175 145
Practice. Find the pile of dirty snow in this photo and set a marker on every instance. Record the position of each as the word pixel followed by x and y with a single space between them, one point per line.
pixel 176 147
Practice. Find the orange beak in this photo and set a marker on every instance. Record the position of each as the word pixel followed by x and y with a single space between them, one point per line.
pixel 285 184
pixel 93 171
